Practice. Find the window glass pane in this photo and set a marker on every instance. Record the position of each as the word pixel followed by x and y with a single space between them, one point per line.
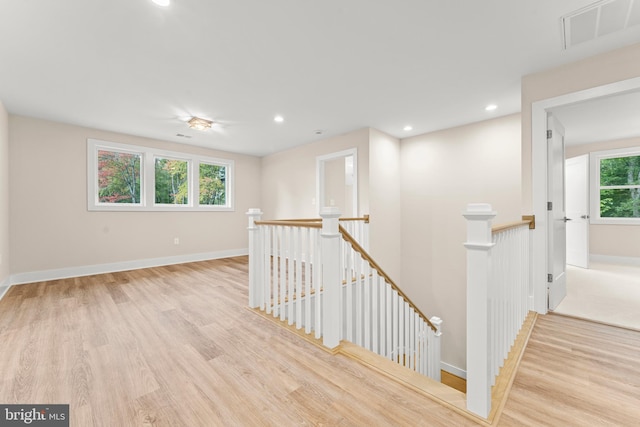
pixel 620 203
pixel 118 177
pixel 213 184
pixel 172 182
pixel 620 171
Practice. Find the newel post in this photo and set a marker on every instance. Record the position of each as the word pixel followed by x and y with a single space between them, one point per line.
pixel 479 244
pixel 331 282
pixel 255 259
pixel 434 349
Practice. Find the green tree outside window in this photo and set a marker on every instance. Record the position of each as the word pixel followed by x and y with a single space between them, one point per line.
pixel 118 177
pixel 620 187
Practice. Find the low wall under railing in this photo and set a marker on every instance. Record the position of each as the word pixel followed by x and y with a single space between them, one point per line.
pixel 317 275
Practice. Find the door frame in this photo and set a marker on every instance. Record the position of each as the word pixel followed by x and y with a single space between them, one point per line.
pixel 320 177
pixel 539 268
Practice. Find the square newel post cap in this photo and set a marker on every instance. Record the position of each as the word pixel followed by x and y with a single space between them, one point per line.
pixel 254 211
pixel 330 225
pixel 479 211
pixel 254 215
pixel 330 212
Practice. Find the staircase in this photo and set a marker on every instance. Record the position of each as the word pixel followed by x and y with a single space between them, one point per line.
pixel 317 276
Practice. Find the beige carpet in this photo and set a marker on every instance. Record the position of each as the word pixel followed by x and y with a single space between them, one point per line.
pixel 605 293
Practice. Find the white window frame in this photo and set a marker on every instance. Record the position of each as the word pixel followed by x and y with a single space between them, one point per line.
pixel 595 158
pixel 147 177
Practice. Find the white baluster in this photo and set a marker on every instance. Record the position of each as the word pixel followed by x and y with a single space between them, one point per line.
pixel 298 288
pixel 366 281
pixel 375 311
pixel 317 283
pixel 307 282
pixel 268 267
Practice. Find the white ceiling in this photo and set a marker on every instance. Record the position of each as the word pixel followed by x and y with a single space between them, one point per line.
pixel 130 66
pixel 601 119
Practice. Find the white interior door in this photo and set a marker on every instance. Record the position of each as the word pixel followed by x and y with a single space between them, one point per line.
pixel 557 280
pixel 577 203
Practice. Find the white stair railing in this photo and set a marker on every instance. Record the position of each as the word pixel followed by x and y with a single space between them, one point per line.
pixel 498 298
pixel 318 276
pixel 381 318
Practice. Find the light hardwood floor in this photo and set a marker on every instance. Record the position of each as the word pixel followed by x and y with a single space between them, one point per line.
pixel 176 346
pixel 576 373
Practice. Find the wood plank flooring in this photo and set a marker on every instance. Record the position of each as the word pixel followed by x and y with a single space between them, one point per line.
pixel 176 346
pixel 576 373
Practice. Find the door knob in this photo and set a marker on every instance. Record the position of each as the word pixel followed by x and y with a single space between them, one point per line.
pixel 566 219
pixel 584 216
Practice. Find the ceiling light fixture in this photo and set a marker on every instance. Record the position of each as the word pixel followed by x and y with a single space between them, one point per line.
pixel 407 128
pixel 199 124
pixel 491 107
pixel 163 3
pixel 278 119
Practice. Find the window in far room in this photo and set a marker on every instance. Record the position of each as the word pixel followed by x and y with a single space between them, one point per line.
pixel 171 181
pixel 119 177
pixel 125 177
pixel 616 186
pixel 213 187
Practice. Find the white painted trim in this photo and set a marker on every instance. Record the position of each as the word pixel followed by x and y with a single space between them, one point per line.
pixel 610 259
pixel 147 176
pixel 64 273
pixel 539 175
pixel 594 190
pixel 453 370
pixel 320 177
pixel 4 286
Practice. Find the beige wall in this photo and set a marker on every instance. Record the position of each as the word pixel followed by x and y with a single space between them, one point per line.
pixel 289 177
pixel 441 173
pixel 51 227
pixel 4 197
pixel 385 203
pixel 610 67
pixel 610 240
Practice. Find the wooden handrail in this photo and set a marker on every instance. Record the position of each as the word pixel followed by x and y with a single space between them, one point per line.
pixel 364 218
pixel 290 223
pixel 356 246
pixel 529 220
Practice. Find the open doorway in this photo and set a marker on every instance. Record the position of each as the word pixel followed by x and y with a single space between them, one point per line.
pixel 609 292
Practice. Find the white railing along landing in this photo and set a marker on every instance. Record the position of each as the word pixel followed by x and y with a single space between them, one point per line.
pixel 318 275
pixel 498 298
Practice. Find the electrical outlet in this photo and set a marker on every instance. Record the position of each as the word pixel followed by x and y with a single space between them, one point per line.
pixel 176 241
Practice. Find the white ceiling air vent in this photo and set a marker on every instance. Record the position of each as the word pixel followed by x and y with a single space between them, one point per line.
pixel 598 19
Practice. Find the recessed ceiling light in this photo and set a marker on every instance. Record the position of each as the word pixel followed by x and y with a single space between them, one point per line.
pixel 491 107
pixel 278 119
pixel 163 3
pixel 199 124
pixel 408 128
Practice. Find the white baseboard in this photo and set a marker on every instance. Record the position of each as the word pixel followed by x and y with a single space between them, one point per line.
pixel 609 259
pixel 4 286
pixel 64 273
pixel 453 370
